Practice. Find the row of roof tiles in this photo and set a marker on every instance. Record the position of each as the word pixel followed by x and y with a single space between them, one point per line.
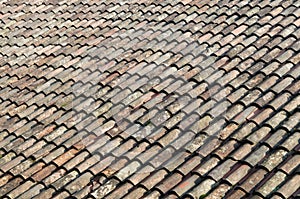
pixel 217 103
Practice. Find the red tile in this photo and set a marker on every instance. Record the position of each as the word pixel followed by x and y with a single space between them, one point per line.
pixel 48 59
pixel 268 187
pixel 262 116
pixel 20 189
pixel 253 180
pixel 135 193
pixel 203 188
pixel 290 164
pixel 4 179
pixel 237 193
pixel 169 182
pixel 46 171
pixel 14 183
pixel 218 172
pixel 155 178
pixel 238 174
pixel 289 187
pixel 187 184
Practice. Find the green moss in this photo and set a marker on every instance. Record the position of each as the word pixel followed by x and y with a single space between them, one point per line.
pixel 65 104
pixel 147 123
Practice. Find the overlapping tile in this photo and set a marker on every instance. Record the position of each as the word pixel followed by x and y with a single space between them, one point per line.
pixel 149 99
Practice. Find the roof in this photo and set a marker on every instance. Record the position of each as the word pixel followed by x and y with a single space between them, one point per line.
pixel 149 99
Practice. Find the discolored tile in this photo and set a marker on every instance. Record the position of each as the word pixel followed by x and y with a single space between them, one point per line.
pixel 153 99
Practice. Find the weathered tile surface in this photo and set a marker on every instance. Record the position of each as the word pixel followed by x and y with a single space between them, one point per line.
pixel 149 99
